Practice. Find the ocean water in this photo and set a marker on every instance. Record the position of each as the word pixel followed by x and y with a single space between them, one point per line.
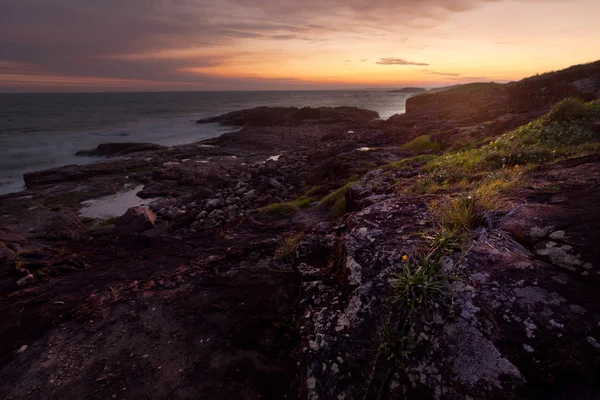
pixel 40 131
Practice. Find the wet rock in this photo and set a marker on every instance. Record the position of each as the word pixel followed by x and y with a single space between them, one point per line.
pixel 136 220
pixel 118 149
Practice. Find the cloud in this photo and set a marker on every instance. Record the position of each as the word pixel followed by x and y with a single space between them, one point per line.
pixel 453 74
pixel 398 61
pixel 161 40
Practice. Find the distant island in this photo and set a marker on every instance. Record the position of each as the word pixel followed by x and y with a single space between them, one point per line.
pixel 408 90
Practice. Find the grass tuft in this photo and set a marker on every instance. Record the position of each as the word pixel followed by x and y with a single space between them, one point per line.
pixel 418 282
pixel 395 344
pixel 287 248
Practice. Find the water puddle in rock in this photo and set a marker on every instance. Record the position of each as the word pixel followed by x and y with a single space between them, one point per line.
pixel 114 205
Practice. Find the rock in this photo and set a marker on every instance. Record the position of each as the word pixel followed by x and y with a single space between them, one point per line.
pixel 232 200
pixel 202 215
pixel 595 127
pixel 117 149
pixel 292 116
pixel 232 209
pixel 26 280
pixel 250 195
pixel 213 204
pixel 315 250
pixel 216 215
pixel 22 349
pixel 136 220
pixel 203 194
pixel 161 229
pixel 273 183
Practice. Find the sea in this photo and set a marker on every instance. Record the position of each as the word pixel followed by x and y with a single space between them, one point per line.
pixel 44 130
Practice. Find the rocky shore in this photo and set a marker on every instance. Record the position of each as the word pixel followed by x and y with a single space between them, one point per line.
pixel 289 257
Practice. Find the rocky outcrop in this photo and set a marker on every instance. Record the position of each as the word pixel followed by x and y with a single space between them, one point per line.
pixel 292 116
pixel 408 90
pixel 489 109
pixel 119 149
pixel 522 319
pixel 240 282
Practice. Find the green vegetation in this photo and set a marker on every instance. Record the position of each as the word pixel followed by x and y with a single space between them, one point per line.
pixel 287 209
pixel 336 201
pixel 395 344
pixel 418 281
pixel 564 132
pixel 473 182
pixel 287 248
pixel 567 110
pixel 538 142
pixel 313 191
pixel 422 144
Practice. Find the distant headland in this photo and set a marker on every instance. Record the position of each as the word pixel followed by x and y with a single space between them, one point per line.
pixel 408 90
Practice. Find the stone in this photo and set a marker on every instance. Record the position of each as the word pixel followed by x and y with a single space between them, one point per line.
pixel 250 195
pixel 213 204
pixel 26 280
pixel 557 235
pixel 274 183
pixel 136 220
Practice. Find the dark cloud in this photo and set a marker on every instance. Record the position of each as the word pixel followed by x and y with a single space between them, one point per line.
pixel 398 61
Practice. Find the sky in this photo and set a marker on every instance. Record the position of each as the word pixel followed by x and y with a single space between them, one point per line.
pixel 122 45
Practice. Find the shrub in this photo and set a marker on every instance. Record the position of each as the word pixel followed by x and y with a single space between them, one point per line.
pixel 422 144
pixel 568 109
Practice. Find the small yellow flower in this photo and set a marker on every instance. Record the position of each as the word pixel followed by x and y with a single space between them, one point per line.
pixel 517 166
pixel 404 257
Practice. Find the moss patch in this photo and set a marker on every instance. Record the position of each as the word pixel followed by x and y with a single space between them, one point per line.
pixel 336 201
pixel 422 144
pixel 289 208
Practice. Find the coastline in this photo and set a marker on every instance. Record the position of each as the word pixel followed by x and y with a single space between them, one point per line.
pixel 270 259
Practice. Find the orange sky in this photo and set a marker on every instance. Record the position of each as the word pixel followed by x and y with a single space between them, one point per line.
pixel 64 45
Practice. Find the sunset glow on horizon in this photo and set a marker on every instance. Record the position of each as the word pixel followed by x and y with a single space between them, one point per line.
pixel 108 45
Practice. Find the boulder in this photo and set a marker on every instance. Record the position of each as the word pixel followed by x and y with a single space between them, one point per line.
pixel 136 220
